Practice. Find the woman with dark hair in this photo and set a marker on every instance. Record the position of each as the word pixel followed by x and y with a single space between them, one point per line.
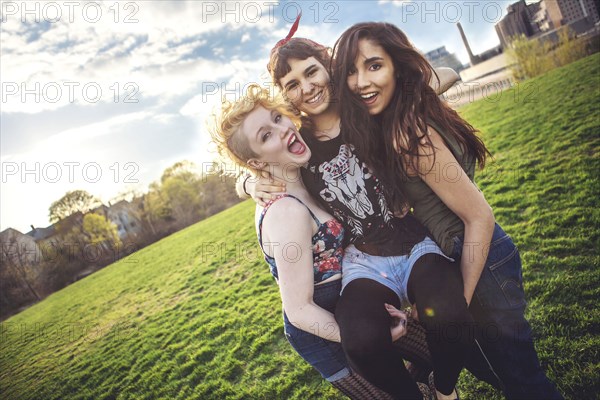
pixel 388 260
pixel 425 154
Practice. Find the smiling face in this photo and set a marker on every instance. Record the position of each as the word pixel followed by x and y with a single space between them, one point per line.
pixel 307 86
pixel 274 138
pixel 373 76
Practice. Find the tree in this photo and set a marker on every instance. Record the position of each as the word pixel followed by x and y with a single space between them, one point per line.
pixel 99 230
pixel 217 193
pixel 185 170
pixel 183 197
pixel 179 187
pixel 21 260
pixel 70 203
pixel 128 194
pixel 156 207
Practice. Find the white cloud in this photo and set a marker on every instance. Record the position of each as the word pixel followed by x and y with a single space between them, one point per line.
pixel 397 3
pixel 169 56
pixel 51 72
pixel 77 136
pixel 69 160
pixel 60 58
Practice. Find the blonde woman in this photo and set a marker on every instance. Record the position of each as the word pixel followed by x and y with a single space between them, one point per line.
pixel 301 242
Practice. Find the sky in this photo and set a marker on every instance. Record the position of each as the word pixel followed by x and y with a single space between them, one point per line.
pixel 103 96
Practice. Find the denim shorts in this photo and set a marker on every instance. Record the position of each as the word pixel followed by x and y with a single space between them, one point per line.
pixel 392 272
pixel 326 356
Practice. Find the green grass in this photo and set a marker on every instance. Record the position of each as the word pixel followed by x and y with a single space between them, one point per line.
pixel 197 315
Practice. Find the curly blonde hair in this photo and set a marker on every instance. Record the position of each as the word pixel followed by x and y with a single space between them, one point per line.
pixel 225 127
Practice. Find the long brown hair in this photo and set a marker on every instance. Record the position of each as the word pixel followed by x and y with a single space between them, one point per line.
pixel 414 105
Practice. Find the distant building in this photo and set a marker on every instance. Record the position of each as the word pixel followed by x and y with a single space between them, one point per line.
pixel 126 216
pixel 440 57
pixel 539 19
pixel 41 233
pixel 563 12
pixel 51 236
pixel 518 21
pixel 17 248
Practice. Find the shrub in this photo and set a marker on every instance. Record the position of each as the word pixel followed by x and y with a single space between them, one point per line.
pixel 531 57
pixel 569 49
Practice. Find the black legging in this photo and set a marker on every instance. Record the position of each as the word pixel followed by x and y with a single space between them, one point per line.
pixel 435 285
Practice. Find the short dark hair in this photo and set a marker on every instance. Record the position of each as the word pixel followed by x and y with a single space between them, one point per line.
pixel 300 49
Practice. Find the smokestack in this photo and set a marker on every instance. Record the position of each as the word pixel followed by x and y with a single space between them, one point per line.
pixel 464 38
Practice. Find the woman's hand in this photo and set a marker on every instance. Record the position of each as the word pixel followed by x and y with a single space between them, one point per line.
pixel 399 320
pixel 264 188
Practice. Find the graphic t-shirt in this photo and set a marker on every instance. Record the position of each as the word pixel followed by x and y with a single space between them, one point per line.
pixel 348 189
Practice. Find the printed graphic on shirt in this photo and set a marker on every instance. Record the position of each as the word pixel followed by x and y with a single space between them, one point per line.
pixel 350 191
pixel 345 182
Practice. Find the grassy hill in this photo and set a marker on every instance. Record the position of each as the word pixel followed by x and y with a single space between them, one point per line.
pixel 197 315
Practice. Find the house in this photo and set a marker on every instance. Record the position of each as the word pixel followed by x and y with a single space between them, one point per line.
pixel 127 218
pixel 18 248
pixel 51 240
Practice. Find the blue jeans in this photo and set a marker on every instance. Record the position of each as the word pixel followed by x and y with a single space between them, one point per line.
pixel 325 356
pixel 505 355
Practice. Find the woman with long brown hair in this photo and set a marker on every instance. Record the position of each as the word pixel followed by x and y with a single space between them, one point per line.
pixel 388 260
pixel 425 154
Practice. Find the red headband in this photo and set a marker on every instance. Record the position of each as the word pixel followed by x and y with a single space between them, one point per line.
pixel 290 33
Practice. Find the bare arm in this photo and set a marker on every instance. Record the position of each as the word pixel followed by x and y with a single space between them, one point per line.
pixel 292 250
pixel 466 201
pixel 260 189
pixel 447 78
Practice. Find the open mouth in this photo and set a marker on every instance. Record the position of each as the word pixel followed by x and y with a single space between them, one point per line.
pixel 369 98
pixel 316 98
pixel 295 146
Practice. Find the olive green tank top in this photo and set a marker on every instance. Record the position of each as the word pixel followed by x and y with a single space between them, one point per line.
pixel 428 208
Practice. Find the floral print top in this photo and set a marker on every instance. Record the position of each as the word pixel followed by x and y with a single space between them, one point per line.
pixel 327 245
